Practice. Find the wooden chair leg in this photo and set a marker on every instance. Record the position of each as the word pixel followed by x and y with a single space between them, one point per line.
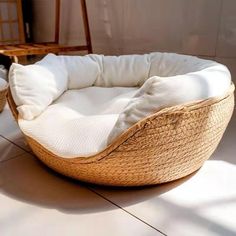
pixel 15 59
pixel 86 25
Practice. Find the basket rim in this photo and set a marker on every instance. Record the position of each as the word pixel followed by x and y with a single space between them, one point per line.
pixel 4 89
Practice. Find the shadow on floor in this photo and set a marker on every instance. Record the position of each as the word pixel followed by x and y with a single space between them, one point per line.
pixel 26 179
pixel 201 221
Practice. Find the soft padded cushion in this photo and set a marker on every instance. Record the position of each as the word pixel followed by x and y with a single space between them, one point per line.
pixel 34 87
pixel 79 122
pixel 125 71
pixel 82 71
pixel 106 71
pixel 172 64
pixel 160 92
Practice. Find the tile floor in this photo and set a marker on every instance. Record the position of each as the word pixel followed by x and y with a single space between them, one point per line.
pixel 36 201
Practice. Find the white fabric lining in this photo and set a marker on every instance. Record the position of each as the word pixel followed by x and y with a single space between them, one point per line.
pixel 79 122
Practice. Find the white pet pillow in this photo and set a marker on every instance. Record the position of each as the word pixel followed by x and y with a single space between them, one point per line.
pixel 82 70
pixel 36 86
pixel 123 71
pixel 161 92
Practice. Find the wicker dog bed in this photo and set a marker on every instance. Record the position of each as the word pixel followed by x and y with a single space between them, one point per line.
pixel 165 146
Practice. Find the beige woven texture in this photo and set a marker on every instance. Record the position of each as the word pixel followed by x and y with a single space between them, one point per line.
pixel 168 145
pixel 3 98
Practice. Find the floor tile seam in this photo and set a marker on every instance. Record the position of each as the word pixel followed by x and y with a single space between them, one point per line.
pixel 126 211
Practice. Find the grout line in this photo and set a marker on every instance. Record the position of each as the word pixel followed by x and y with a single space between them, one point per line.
pixel 12 158
pixel 90 189
pixel 100 195
pixel 16 144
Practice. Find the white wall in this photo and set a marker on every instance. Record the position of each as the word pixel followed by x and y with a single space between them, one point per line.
pixel 200 27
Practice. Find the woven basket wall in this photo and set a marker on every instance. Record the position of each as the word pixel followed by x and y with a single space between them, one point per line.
pixel 3 98
pixel 165 146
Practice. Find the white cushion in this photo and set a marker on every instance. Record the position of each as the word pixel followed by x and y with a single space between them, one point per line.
pixel 160 92
pixel 82 71
pixel 34 87
pixel 79 122
pixel 106 71
pixel 125 71
pixel 171 64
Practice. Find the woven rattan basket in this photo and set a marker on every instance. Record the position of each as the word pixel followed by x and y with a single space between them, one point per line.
pixel 3 98
pixel 168 145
